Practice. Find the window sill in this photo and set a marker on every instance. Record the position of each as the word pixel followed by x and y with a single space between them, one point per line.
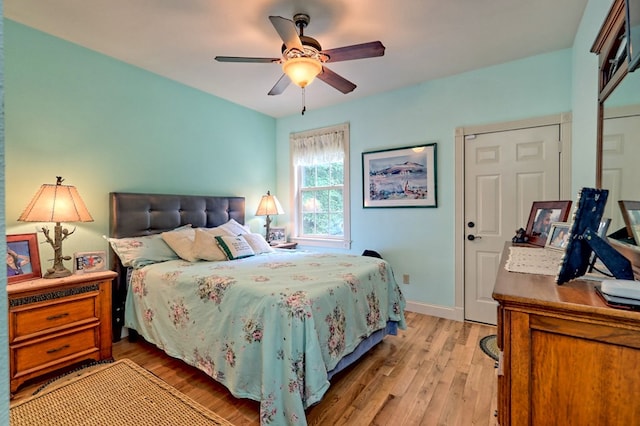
pixel 322 242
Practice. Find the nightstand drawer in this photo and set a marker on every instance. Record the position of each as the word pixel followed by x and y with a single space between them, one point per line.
pixel 34 319
pixel 62 347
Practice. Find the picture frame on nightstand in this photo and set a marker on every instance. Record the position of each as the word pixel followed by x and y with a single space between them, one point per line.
pixel 23 259
pixel 277 235
pixel 89 261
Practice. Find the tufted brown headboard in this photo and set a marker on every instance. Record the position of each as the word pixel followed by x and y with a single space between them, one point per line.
pixel 134 215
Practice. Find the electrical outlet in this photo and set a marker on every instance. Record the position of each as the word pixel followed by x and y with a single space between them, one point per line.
pixel 405 279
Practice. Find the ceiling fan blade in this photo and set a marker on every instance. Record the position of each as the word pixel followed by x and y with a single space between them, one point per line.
pixel 287 31
pixel 336 81
pixel 356 51
pixel 279 87
pixel 243 59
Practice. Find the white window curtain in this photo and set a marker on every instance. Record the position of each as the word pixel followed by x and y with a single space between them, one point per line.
pixel 312 148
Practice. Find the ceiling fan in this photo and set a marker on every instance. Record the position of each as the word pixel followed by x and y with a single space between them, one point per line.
pixel 303 58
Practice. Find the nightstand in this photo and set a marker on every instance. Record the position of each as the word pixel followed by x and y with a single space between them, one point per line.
pixel 288 246
pixel 54 323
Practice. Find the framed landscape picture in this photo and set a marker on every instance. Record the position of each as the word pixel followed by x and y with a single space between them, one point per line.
pixel 23 259
pixel 400 177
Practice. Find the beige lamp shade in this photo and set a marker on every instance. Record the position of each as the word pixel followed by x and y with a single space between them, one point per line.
pixel 269 205
pixel 56 203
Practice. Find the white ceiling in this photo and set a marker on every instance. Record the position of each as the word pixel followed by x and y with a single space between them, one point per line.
pixel 424 39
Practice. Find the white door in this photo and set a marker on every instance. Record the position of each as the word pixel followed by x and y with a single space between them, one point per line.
pixel 504 173
pixel 620 171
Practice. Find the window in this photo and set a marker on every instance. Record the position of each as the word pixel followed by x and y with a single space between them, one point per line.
pixel 320 160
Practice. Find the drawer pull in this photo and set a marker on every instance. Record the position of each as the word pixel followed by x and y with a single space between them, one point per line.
pixel 52 351
pixel 55 317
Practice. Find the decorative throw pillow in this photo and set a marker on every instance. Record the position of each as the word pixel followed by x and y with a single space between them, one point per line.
pixel 235 247
pixel 137 252
pixel 181 241
pixel 258 243
pixel 234 228
pixel 206 247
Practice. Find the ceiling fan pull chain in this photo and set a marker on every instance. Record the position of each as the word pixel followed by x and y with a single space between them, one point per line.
pixel 304 102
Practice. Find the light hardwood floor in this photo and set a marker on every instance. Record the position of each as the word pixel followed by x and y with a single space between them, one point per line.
pixel 433 373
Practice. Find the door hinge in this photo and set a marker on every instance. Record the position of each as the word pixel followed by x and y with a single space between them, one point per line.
pixel 559 146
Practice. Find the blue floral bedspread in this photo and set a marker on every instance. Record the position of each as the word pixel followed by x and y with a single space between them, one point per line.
pixel 268 327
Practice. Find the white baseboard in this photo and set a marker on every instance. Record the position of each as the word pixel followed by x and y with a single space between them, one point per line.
pixel 448 312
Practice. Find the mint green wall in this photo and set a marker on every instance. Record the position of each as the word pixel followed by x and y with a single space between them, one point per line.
pixel 585 95
pixel 107 126
pixel 420 241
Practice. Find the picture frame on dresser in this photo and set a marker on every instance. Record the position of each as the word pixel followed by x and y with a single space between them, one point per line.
pixel 542 215
pixel 631 214
pixel 558 236
pixel 400 177
pixel 89 261
pixel 23 258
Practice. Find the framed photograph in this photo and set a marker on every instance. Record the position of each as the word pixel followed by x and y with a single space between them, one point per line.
pixel 89 261
pixel 558 235
pixel 631 215
pixel 400 177
pixel 277 235
pixel 23 259
pixel 543 214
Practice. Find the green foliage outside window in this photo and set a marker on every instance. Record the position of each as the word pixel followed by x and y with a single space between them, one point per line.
pixel 322 199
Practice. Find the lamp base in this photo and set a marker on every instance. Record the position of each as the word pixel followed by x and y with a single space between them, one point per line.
pixel 58 270
pixel 59 273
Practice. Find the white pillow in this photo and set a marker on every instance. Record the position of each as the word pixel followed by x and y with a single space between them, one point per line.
pixel 234 228
pixel 206 247
pixel 181 241
pixel 235 247
pixel 258 243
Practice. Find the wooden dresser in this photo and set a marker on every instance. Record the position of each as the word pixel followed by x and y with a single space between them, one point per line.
pixel 566 358
pixel 55 323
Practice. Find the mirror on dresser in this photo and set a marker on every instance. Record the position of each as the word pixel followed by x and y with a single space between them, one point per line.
pixel 618 144
pixel 621 146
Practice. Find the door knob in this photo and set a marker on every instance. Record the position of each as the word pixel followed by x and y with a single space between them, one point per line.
pixel 471 224
pixel 473 237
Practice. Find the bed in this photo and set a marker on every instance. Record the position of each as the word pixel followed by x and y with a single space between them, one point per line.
pixel 272 327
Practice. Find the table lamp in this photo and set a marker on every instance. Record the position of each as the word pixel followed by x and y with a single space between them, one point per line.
pixel 269 205
pixel 56 203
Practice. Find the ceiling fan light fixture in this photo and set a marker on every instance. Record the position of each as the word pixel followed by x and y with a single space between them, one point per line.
pixel 302 70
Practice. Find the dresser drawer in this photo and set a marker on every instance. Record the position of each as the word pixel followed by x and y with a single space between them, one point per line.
pixel 44 353
pixel 29 321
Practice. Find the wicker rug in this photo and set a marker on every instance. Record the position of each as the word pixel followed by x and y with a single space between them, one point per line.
pixel 121 393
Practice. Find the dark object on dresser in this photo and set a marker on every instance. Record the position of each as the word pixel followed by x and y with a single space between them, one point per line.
pixel 520 236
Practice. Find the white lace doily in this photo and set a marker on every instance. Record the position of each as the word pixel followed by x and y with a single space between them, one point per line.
pixel 530 260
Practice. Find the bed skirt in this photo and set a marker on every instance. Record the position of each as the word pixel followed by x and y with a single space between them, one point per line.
pixel 363 347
